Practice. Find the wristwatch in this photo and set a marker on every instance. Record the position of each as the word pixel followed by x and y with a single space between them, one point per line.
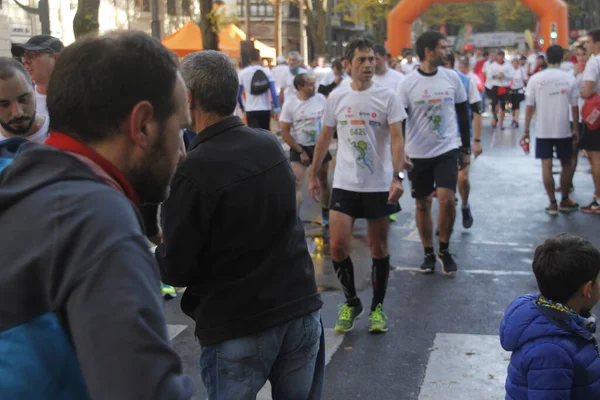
pixel 399 176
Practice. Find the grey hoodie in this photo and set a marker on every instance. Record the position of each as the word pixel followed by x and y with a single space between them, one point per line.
pixel 81 315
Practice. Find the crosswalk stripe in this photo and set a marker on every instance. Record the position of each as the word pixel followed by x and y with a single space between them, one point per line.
pixel 174 330
pixel 466 367
pixel 333 340
pixel 475 271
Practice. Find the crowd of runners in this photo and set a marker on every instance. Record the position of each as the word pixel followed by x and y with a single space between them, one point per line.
pixel 114 164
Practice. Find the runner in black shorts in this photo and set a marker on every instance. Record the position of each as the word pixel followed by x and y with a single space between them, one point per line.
pixel 431 143
pixel 367 182
pixel 301 121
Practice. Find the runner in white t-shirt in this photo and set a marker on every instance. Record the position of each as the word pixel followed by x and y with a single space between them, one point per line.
pixel 18 118
pixel 517 90
pixel 287 89
pixel 385 76
pixel 408 64
pixel 489 81
pixel 551 92
pixel 475 122
pixel 590 140
pixel 258 106
pixel 301 122
pixel 435 98
pixel 501 74
pixel 367 182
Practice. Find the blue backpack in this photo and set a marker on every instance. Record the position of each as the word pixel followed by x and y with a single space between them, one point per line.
pixel 8 150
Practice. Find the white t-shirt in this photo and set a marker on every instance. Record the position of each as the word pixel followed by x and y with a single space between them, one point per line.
pixel 40 136
pixel 362 118
pixel 41 107
pixel 489 81
pixel 407 68
pixel 391 79
pixel 280 72
pixel 289 90
pixel 519 76
pixel 431 127
pixel 592 71
pixel 319 73
pixel 305 118
pixel 567 66
pixel 259 102
pixel 553 92
pixel 496 69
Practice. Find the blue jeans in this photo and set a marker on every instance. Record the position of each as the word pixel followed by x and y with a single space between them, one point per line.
pixel 291 356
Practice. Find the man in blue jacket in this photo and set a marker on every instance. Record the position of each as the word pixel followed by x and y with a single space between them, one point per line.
pixel 81 314
pixel 555 354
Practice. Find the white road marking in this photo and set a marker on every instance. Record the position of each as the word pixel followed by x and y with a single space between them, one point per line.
pixel 475 271
pixel 413 236
pixel 466 367
pixel 333 340
pixel 174 330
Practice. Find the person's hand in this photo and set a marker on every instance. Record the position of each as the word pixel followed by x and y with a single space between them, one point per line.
pixel 396 191
pixel 276 116
pixel 575 137
pixel 314 188
pixel 408 165
pixel 525 135
pixel 304 159
pixel 477 150
pixel 464 160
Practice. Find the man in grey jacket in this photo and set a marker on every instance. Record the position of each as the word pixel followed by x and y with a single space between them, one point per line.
pixel 81 315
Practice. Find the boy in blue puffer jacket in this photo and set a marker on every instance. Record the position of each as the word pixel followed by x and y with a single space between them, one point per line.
pixel 555 355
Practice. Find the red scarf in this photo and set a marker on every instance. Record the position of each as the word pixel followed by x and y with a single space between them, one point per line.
pixel 67 143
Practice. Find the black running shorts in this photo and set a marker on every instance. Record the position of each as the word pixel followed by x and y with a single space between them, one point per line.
pixel 437 172
pixel 590 140
pixel 310 150
pixel 371 205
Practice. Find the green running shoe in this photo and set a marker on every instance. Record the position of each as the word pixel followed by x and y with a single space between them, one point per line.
pixel 347 316
pixel 378 320
pixel 168 291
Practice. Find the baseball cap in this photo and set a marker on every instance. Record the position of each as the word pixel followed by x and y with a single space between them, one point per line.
pixel 45 43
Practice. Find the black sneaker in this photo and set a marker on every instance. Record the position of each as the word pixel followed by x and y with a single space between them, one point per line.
pixel 467 217
pixel 449 267
pixel 428 266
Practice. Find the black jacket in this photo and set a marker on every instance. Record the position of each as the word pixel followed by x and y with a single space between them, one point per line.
pixel 231 235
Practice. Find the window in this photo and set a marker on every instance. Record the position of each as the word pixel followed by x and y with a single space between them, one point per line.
pixel 294 11
pixel 258 8
pixel 186 8
pixel 171 7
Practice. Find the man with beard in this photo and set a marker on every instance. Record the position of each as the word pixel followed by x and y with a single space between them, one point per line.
pixel 435 98
pixel 39 55
pixel 80 306
pixel 232 237
pixel 17 104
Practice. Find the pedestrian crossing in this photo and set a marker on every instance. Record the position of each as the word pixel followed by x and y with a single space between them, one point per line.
pixel 460 366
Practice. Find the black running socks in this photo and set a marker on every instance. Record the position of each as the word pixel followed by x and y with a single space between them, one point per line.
pixel 345 273
pixel 428 251
pixel 444 247
pixel 380 273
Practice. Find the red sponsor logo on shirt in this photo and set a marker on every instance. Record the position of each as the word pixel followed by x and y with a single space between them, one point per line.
pixel 374 115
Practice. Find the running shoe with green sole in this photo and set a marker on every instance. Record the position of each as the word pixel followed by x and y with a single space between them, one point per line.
pixel 568 206
pixel 378 320
pixel 347 316
pixel 168 291
pixel 393 217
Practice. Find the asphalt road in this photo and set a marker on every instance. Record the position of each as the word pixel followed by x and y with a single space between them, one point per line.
pixel 442 343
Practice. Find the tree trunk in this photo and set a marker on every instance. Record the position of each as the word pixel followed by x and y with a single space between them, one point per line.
pixel 317 23
pixel 85 21
pixel 277 6
pixel 209 26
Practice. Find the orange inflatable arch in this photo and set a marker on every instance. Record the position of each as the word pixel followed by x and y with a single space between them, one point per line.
pixel 402 16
